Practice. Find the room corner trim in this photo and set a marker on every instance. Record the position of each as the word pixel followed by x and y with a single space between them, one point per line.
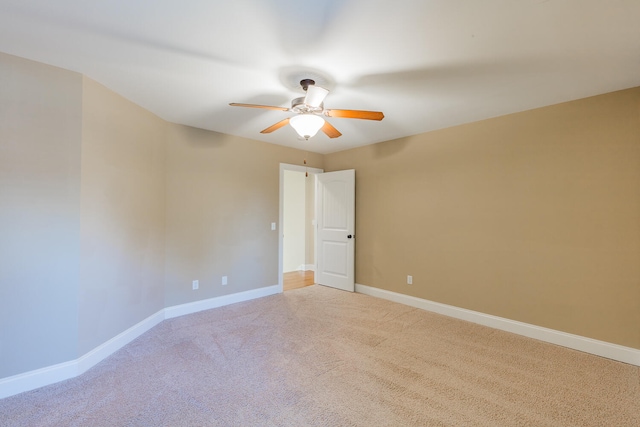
pixel 575 342
pixel 31 380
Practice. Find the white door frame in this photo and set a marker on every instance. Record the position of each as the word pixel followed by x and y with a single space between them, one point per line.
pixel 284 167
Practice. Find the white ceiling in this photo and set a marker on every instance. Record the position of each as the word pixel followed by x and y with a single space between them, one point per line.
pixel 427 64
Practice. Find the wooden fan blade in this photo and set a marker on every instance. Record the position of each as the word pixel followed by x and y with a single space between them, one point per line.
pixel 355 114
pixel 267 107
pixel 276 126
pixel 330 131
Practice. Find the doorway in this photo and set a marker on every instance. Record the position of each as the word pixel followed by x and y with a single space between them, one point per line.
pixel 297 226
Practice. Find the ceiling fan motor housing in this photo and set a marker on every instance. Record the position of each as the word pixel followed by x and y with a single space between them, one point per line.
pixel 298 106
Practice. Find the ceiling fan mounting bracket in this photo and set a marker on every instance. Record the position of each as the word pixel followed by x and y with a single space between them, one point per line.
pixel 305 83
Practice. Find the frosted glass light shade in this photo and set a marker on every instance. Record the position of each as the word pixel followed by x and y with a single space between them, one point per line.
pixel 307 125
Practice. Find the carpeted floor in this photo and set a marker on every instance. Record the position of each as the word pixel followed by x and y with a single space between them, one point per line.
pixel 322 357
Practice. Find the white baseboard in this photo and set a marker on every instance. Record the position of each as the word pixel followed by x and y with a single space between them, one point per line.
pixel 63 371
pixel 207 304
pixel 20 383
pixel 106 349
pixel 576 342
pixel 37 378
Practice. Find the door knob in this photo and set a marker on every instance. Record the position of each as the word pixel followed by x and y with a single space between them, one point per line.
pixel 349 236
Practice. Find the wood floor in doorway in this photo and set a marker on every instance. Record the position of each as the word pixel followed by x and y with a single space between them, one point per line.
pixel 297 279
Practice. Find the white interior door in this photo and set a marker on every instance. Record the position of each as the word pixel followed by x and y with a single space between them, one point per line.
pixel 335 195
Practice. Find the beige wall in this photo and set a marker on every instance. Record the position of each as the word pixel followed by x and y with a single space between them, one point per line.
pixel 40 137
pixel 222 196
pixel 533 216
pixel 122 221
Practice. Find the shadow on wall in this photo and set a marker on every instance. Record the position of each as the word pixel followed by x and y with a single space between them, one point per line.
pixel 200 138
pixel 389 148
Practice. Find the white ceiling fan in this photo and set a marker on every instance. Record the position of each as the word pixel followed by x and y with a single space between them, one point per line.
pixel 309 110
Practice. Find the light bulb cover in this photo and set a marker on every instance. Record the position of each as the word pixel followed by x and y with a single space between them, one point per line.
pixel 315 96
pixel 306 125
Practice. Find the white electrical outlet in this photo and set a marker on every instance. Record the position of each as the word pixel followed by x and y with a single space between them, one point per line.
pixel 273 226
pixel 224 280
pixel 195 284
pixel 409 280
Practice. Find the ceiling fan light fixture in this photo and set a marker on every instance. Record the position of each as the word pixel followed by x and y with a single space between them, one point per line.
pixel 306 125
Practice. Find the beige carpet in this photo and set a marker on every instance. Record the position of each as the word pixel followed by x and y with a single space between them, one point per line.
pixel 321 357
